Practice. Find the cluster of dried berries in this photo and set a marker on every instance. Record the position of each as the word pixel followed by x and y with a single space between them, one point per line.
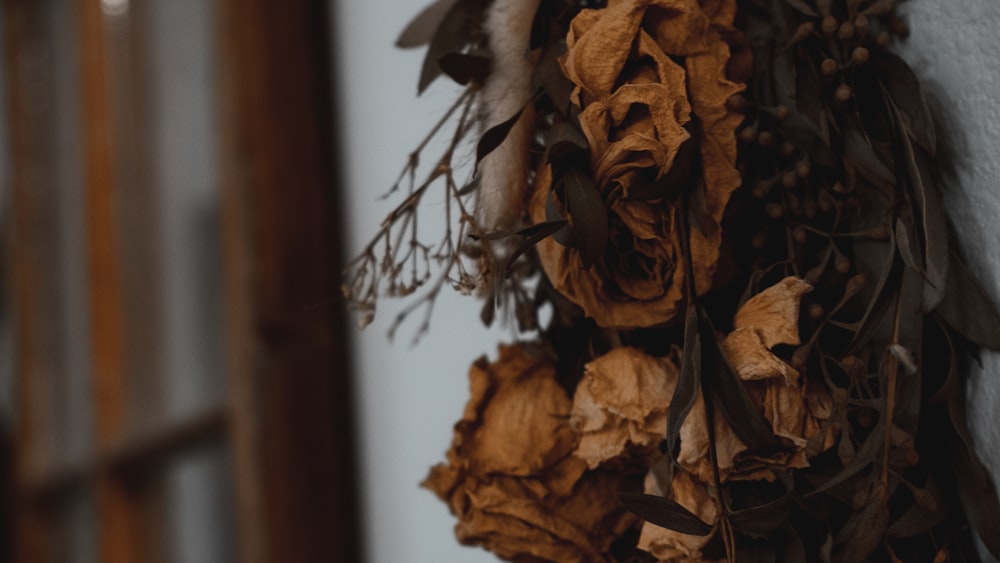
pixel 760 329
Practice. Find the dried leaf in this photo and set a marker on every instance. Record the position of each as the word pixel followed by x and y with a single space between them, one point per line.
pixel 764 519
pixel 587 215
pixel 859 153
pixel 863 457
pixel 664 513
pixel 688 381
pixel 967 309
pixel 548 76
pixel 904 89
pixel 863 531
pixel 421 28
pixel 564 140
pixel 450 36
pixel 465 67
pixel 494 136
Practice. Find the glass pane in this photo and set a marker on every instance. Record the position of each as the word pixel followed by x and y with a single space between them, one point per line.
pixel 184 139
pixel 200 515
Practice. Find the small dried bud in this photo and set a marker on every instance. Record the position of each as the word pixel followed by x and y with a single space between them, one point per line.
pixel 775 210
pixel 854 285
pixel 748 134
pixel 789 180
pixel 828 67
pixel 800 235
pixel 825 201
pixel 760 190
pixel 816 311
pixel 882 39
pixel 829 25
pixel 861 24
pixel 736 103
pixel 842 264
pixel 787 149
pixel 846 31
pixel 765 138
pixel 810 208
pixel 839 188
pixel 781 113
pixel 802 170
pixel 860 56
pixel 759 240
pixel 843 93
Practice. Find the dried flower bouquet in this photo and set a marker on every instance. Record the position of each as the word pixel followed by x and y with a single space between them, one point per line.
pixel 759 329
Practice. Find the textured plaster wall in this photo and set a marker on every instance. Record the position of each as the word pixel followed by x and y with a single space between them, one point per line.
pixel 954 48
pixel 408 398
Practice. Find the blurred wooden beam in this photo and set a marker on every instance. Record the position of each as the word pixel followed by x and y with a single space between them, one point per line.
pixel 282 237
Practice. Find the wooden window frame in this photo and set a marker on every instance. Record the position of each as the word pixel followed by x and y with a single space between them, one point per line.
pixel 288 418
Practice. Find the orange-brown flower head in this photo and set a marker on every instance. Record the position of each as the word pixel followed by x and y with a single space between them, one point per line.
pixel 510 477
pixel 651 84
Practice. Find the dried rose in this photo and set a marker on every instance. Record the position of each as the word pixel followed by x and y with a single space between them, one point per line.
pixel 510 477
pixel 637 104
pixel 621 404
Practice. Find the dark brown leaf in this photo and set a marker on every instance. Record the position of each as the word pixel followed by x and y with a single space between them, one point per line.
pixel 966 308
pixel 921 517
pixel 688 380
pixel 421 28
pixel 495 135
pixel 860 154
pixel 726 390
pixel 548 76
pixel 451 36
pixel 904 89
pixel 764 519
pixel 537 233
pixel 863 531
pixel 664 513
pixel 588 216
pixel 564 140
pixel 465 67
pixel 863 457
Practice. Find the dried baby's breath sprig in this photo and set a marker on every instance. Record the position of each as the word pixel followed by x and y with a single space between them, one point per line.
pixel 396 262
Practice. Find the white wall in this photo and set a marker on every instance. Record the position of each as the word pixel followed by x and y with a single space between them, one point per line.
pixel 953 48
pixel 408 398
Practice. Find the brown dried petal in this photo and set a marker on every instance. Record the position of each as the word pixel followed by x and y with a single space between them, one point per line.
pixel 752 360
pixel 774 312
pixel 515 420
pixel 694 455
pixel 622 401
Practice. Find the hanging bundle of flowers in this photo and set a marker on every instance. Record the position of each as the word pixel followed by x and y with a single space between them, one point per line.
pixel 759 327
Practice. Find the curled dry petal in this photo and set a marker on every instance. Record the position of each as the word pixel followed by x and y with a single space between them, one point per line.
pixel 510 478
pixel 621 404
pixel 641 69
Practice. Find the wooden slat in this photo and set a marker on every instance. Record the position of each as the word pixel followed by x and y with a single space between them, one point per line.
pixel 23 266
pixel 120 514
pixel 287 357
